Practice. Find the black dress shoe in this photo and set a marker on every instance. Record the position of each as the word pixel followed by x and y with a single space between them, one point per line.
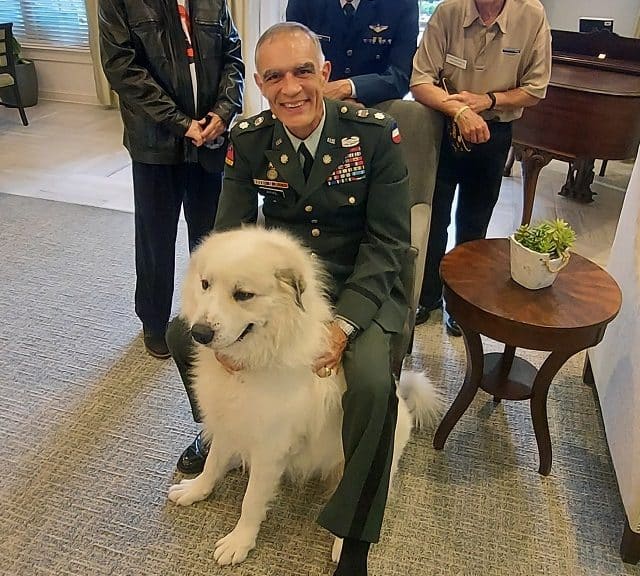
pixel 423 312
pixel 452 327
pixel 156 345
pixel 192 460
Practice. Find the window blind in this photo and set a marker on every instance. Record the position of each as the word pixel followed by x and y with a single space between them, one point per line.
pixel 47 23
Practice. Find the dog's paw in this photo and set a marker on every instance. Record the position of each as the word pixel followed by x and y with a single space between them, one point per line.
pixel 234 547
pixel 188 491
pixel 336 550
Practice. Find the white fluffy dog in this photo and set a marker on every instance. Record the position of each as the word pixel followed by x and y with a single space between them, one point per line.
pixel 257 297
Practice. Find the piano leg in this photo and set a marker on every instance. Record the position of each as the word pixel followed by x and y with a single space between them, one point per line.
pixel 533 160
pixel 511 158
pixel 603 168
pixel 579 179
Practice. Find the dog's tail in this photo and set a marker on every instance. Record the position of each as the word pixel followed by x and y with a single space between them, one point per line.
pixel 424 400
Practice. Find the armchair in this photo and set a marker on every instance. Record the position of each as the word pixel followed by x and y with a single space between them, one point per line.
pixel 421 131
pixel 8 67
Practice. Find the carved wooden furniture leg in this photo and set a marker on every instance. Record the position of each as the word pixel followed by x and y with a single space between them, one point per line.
pixel 587 372
pixel 506 362
pixel 533 160
pixel 538 404
pixel 630 545
pixel 472 378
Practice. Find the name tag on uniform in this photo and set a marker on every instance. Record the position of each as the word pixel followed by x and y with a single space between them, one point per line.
pixel 271 187
pixel 511 50
pixel 455 61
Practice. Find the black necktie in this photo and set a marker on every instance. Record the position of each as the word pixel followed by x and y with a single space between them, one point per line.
pixel 308 160
pixel 348 10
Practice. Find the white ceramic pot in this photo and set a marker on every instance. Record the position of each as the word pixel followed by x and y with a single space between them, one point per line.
pixel 531 269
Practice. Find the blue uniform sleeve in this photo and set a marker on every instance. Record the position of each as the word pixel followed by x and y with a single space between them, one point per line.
pixel 393 83
pixel 296 12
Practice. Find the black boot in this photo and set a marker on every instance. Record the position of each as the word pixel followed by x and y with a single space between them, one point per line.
pixel 353 560
pixel 452 326
pixel 192 460
pixel 423 312
pixel 156 345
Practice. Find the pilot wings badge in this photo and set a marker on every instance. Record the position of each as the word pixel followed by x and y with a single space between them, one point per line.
pixel 377 28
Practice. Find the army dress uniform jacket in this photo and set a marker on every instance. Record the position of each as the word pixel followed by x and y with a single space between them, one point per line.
pixel 375 50
pixel 353 212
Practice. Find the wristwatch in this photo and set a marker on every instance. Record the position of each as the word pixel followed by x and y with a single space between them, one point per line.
pixel 492 97
pixel 349 329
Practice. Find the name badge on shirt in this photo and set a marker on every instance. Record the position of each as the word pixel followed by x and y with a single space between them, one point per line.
pixel 455 61
pixel 511 50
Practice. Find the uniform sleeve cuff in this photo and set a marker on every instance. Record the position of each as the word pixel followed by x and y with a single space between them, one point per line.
pixel 354 94
pixel 356 308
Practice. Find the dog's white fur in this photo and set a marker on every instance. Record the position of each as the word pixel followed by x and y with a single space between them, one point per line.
pixel 274 415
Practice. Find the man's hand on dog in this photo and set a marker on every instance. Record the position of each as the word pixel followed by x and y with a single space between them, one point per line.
pixel 332 357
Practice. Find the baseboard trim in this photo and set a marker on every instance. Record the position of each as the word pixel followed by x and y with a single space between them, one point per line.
pixel 69 97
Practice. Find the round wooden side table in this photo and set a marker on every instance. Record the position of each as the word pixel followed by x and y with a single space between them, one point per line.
pixel 565 318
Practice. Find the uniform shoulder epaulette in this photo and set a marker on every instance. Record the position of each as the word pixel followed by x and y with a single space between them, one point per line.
pixel 365 115
pixel 253 123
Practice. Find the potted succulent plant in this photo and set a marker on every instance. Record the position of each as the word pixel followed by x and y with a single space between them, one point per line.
pixel 539 252
pixel 26 80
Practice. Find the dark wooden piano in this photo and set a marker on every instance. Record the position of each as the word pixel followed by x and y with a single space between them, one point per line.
pixel 592 110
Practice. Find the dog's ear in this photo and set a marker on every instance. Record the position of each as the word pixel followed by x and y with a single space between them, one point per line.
pixel 294 281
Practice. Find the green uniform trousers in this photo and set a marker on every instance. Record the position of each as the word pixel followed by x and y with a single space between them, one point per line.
pixel 370 408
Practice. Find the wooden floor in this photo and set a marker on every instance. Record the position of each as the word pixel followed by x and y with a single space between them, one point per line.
pixel 73 153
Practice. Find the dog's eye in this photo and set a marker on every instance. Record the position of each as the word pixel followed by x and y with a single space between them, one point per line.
pixel 242 296
pixel 205 283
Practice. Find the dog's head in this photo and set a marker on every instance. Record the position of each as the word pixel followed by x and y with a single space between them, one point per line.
pixel 251 293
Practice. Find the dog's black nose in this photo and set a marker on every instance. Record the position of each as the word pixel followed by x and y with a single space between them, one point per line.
pixel 202 333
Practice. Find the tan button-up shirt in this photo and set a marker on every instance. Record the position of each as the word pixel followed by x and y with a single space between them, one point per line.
pixel 514 52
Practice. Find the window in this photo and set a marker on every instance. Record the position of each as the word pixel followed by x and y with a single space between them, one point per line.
pixel 47 23
pixel 426 8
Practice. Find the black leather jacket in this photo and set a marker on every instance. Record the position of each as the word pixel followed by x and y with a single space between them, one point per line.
pixel 144 56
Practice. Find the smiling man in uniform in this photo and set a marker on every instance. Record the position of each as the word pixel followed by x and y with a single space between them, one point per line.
pixel 333 175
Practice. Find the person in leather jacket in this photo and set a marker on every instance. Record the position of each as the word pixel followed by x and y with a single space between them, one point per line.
pixel 176 66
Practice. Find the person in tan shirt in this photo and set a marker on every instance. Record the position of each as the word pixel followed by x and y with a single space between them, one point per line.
pixel 480 63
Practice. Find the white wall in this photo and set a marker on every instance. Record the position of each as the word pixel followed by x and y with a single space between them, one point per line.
pixel 64 75
pixel 564 14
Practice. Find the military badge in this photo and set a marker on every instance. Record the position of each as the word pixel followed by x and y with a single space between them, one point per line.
pixel 326 159
pixel 272 173
pixel 395 134
pixel 379 116
pixel 364 113
pixel 259 120
pixel 229 159
pixel 243 125
pixel 344 109
pixel 284 159
pixel 377 28
pixel 352 168
pixel 349 142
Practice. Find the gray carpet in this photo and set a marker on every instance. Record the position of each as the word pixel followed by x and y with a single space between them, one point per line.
pixel 91 427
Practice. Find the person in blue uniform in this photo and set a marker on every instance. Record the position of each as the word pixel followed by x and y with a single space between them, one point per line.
pixel 370 44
